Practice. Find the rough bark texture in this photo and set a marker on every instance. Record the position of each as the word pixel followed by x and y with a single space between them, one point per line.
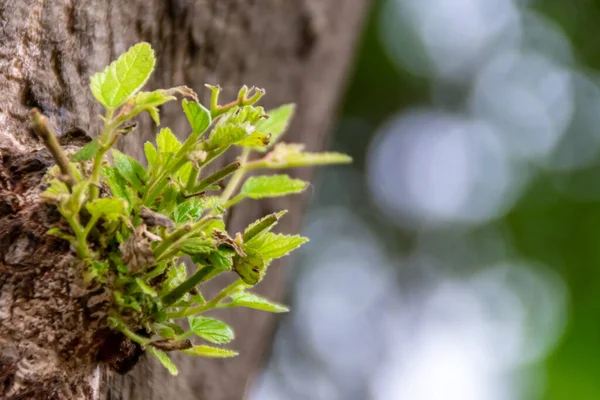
pixel 297 49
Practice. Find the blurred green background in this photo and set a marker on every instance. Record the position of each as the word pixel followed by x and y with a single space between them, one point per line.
pixel 485 283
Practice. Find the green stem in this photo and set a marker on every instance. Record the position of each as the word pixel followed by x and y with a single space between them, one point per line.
pixel 183 336
pixel 192 179
pixel 234 201
pixel 45 132
pixel 89 226
pixel 161 251
pixel 236 179
pixel 217 176
pixel 214 303
pixel 264 224
pixel 81 245
pixel 133 336
pixel 186 286
pixel 155 272
pixel 104 140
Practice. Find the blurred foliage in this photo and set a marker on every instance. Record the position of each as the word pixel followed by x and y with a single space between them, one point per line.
pixel 545 225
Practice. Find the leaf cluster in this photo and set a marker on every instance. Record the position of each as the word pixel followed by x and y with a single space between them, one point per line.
pixel 130 224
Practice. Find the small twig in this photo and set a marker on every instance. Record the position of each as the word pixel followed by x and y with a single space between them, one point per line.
pixel 46 133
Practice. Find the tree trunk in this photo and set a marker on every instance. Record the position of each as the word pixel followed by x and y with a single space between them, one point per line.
pixel 297 49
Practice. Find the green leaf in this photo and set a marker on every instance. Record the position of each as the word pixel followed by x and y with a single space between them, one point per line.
pixel 164 360
pixel 126 301
pixel 262 225
pixel 169 198
pixel 211 330
pixel 145 287
pixel 188 210
pixel 154 98
pixel 198 116
pixel 220 260
pixel 111 208
pixel 255 139
pixel 251 300
pixel 87 152
pixel 227 134
pixel 273 246
pixel 278 121
pixel 212 202
pixel 287 155
pixel 164 331
pixel 197 245
pixel 150 151
pixel 55 189
pixel 184 172
pixel 130 169
pixel 251 268
pixel 211 352
pixel 118 186
pixel 60 234
pixel 149 102
pixel 175 276
pixel 235 125
pixel 124 77
pixel 258 187
pixel 167 142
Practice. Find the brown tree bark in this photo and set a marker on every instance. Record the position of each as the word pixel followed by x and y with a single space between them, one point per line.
pixel 298 50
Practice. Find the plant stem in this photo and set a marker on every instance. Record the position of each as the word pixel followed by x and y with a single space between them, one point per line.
pixel 211 304
pixel 236 179
pixel 186 286
pixel 104 140
pixel 46 133
pixel 264 224
pixel 181 233
pixel 234 201
pixel 217 176
pixel 132 335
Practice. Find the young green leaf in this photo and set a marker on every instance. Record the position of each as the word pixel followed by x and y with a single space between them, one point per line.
pixel 258 187
pixel 287 155
pixel 184 172
pixel 124 77
pixel 221 260
pixel 164 360
pixel 145 287
pixel 168 200
pixel 164 331
pixel 167 142
pixel 211 329
pixel 197 115
pixel 255 139
pixel 110 208
pixel 87 152
pixel 196 246
pixel 262 225
pixel 188 210
pixel 227 134
pixel 273 246
pixel 278 121
pixel 150 151
pixel 250 268
pixel 235 126
pixel 214 203
pixel 210 352
pixel 55 189
pixel 130 169
pixel 154 98
pixel 149 102
pixel 251 300
pixel 175 276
